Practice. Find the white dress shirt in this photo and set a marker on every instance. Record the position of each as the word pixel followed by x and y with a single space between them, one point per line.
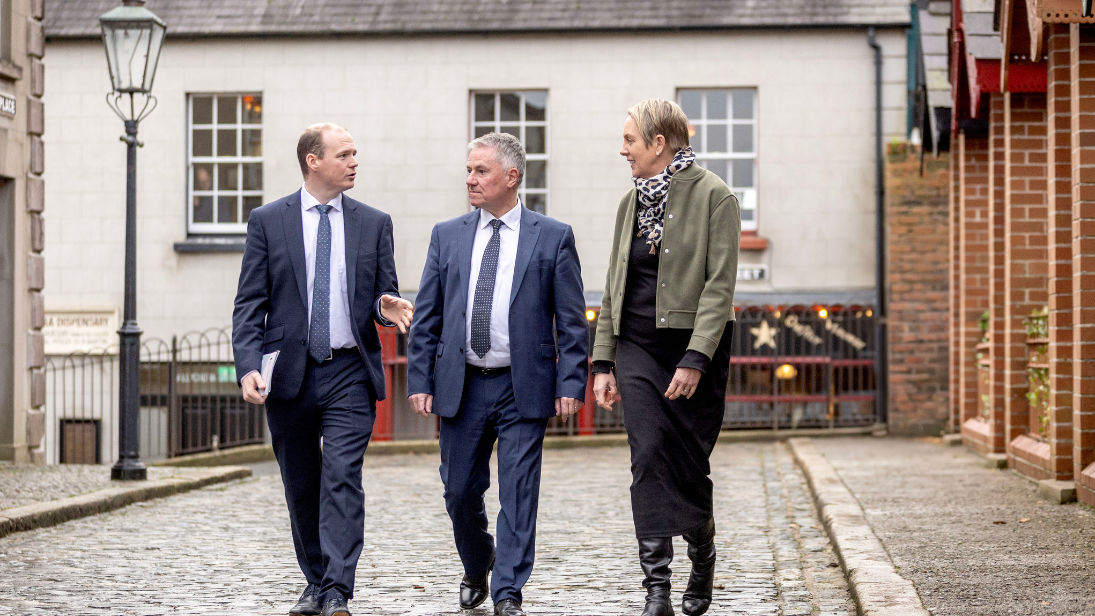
pixel 508 234
pixel 342 337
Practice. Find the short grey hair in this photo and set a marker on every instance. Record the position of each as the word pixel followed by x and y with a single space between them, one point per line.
pixel 507 150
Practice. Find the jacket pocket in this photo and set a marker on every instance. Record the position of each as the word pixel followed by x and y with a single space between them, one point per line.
pixel 547 351
pixel 681 319
pixel 440 348
pixel 273 335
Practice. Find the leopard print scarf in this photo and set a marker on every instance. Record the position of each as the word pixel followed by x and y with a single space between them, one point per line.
pixel 652 197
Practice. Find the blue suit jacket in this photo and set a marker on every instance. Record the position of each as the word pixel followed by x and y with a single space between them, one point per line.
pixel 548 332
pixel 271 308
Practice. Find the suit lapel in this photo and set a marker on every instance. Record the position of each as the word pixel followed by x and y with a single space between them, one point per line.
pixel 464 245
pixel 351 220
pixel 526 243
pixel 294 239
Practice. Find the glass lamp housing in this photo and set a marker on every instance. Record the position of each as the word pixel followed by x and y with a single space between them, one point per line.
pixel 133 37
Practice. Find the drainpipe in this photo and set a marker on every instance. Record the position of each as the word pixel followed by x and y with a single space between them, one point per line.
pixel 882 376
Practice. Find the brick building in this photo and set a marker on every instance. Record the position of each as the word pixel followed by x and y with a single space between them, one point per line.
pixel 1022 236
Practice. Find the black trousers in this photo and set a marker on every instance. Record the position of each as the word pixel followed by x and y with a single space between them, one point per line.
pixel 488 412
pixel 323 485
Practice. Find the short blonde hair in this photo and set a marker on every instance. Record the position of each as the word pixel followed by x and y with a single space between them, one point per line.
pixel 656 116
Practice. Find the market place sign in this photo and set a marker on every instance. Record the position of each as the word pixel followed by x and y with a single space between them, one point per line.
pixel 7 105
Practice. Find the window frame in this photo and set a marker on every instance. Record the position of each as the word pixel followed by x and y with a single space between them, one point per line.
pixel 522 123
pixel 753 201
pixel 220 228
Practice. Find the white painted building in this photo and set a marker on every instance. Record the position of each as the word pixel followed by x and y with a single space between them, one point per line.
pixel 781 93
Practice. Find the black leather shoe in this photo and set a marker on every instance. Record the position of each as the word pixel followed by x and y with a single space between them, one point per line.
pixel 474 590
pixel 508 607
pixel 336 607
pixel 655 556
pixel 701 551
pixel 308 604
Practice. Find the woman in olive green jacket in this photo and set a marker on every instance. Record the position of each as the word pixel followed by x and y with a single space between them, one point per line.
pixel 664 336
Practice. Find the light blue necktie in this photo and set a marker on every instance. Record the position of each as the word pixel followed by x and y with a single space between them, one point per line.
pixel 319 334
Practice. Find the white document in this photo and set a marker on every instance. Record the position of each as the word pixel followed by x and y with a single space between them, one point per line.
pixel 267 370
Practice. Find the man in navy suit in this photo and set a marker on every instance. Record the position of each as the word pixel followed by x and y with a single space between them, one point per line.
pixel 318 269
pixel 498 347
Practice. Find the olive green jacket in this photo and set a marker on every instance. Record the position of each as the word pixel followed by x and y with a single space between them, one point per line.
pixel 698 265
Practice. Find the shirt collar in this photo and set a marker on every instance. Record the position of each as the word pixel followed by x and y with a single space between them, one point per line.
pixel 307 201
pixel 511 218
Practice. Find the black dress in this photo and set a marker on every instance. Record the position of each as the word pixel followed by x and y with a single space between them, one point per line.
pixel 671 440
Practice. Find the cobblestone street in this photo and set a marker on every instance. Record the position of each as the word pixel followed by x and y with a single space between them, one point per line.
pixel 227 549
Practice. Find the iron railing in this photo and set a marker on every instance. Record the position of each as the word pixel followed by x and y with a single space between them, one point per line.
pixel 189 401
pixel 802 367
pixel 790 367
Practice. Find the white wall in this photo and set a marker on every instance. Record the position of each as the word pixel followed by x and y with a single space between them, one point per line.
pixel 405 99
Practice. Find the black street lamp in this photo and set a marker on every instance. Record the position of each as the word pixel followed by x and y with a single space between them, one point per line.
pixel 133 37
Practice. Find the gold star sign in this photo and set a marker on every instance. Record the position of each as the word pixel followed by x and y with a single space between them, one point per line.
pixel 764 335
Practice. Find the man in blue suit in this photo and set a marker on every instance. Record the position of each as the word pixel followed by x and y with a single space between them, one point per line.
pixel 498 347
pixel 318 269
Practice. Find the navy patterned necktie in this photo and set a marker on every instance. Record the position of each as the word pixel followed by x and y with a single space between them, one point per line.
pixel 319 334
pixel 484 294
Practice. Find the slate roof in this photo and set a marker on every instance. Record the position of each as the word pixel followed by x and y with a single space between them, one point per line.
pixel 195 18
pixel 982 41
pixel 935 23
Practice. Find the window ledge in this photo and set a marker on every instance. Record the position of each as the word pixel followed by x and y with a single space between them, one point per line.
pixel 10 70
pixel 751 241
pixel 211 244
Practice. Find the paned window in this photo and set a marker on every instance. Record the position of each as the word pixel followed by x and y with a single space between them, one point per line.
pixel 523 115
pixel 225 161
pixel 723 130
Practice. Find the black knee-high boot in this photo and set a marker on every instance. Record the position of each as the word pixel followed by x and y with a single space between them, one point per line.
pixel 701 551
pixel 655 555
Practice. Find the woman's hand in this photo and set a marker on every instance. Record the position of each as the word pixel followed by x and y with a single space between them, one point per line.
pixel 604 389
pixel 684 383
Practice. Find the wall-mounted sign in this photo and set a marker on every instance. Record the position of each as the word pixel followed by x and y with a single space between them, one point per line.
pixel 7 105
pixel 80 331
pixel 752 273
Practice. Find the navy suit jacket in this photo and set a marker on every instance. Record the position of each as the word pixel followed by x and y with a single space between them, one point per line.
pixel 548 332
pixel 271 308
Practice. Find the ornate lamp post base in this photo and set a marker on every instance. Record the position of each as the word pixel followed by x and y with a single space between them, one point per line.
pixel 128 470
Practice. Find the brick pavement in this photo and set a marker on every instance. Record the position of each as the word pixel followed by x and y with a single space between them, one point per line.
pixel 974 541
pixel 227 549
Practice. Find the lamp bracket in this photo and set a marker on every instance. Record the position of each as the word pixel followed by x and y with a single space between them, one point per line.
pixel 137 111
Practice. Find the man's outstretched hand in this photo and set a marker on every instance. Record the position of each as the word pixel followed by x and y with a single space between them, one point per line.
pixel 397 310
